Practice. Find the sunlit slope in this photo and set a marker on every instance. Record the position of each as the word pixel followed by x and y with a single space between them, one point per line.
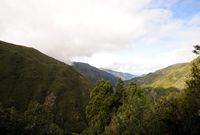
pixel 28 75
pixel 172 76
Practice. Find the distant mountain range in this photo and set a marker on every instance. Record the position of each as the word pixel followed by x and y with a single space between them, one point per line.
pixel 93 73
pixel 28 75
pixel 123 76
pixel 172 76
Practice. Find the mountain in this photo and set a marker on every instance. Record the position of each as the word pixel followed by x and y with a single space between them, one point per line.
pixel 123 76
pixel 172 76
pixel 27 75
pixel 93 73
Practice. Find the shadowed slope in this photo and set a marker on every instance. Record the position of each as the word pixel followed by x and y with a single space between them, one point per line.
pixel 28 75
pixel 93 73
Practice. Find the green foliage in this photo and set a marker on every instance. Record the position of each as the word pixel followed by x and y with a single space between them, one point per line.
pixel 37 120
pixel 40 121
pixel 130 117
pixel 179 114
pixel 192 98
pixel 196 49
pixel 153 111
pixel 119 93
pixel 27 75
pixel 168 113
pixel 11 122
pixel 119 87
pixel 172 76
pixel 193 85
pixel 99 109
pixel 94 74
pixel 61 93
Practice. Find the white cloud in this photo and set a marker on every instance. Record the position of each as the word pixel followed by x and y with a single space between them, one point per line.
pixel 103 33
pixel 65 28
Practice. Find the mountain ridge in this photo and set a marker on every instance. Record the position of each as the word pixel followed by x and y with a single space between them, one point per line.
pixel 123 75
pixel 28 75
pixel 93 73
pixel 172 76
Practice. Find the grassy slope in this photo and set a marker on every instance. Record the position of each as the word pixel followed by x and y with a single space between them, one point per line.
pixel 26 75
pixel 172 76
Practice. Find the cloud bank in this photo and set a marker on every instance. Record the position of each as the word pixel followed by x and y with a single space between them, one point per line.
pixel 137 36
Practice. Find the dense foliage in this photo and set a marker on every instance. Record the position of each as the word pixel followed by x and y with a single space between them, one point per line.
pixel 36 120
pixel 27 75
pixel 133 110
pixel 38 97
pixel 98 117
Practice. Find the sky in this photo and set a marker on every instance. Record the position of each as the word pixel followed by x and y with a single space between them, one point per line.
pixel 135 36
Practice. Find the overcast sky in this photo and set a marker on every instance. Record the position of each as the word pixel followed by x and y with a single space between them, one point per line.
pixel 136 36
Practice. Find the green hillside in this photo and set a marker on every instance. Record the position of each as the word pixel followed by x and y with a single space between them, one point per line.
pixel 135 110
pixel 28 75
pixel 93 73
pixel 172 76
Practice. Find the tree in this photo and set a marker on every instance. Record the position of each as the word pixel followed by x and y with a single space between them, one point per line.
pixel 11 122
pixel 100 107
pixel 37 120
pixel 130 117
pixel 196 49
pixel 40 121
pixel 119 93
pixel 169 115
pixel 169 112
pixel 180 114
pixel 192 98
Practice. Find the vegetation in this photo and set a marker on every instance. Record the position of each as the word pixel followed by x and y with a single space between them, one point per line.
pixel 129 110
pixel 98 117
pixel 42 96
pixel 36 120
pixel 94 74
pixel 196 49
pixel 27 75
pixel 147 111
pixel 172 76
